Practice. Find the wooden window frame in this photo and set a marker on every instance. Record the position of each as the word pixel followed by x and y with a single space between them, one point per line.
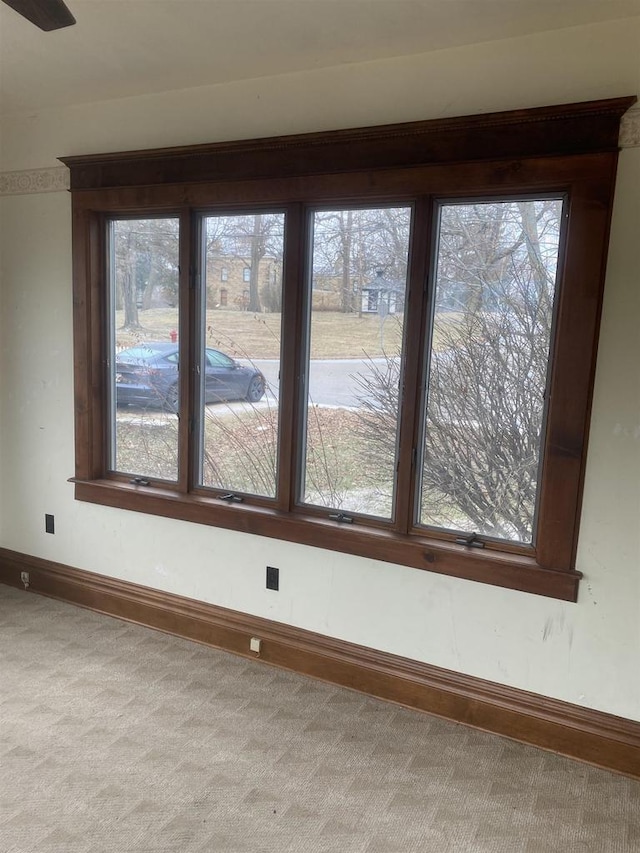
pixel 570 150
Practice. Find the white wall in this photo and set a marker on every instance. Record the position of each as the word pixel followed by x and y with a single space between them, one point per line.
pixel 586 653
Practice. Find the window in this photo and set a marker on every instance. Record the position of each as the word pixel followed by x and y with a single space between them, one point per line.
pixel 142 265
pixel 429 407
pixel 238 391
pixel 352 366
pixel 483 412
pixel 224 274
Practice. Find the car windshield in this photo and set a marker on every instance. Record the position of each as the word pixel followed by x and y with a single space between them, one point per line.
pixel 141 353
pixel 219 359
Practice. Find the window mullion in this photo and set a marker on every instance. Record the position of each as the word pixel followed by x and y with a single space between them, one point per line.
pixel 292 353
pixel 187 341
pixel 95 336
pixel 412 381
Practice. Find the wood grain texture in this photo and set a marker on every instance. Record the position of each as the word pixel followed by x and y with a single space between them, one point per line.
pixel 592 736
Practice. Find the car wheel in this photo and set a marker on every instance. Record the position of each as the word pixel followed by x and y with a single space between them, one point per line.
pixel 255 391
pixel 172 399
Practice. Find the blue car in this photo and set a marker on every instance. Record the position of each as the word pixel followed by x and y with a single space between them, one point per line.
pixel 147 375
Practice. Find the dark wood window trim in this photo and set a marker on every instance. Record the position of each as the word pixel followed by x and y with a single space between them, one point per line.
pixel 570 149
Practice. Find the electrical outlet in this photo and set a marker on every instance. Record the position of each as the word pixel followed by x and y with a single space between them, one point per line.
pixel 49 523
pixel 24 577
pixel 273 578
pixel 254 645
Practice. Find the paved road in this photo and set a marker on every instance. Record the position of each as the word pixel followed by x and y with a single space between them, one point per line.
pixel 332 382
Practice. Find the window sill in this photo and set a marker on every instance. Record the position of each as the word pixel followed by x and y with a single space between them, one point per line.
pixel 510 571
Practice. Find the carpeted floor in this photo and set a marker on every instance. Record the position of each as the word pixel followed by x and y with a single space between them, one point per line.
pixel 119 739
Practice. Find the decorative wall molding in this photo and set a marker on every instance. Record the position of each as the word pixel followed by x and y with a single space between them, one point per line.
pixel 630 129
pixel 27 181
pixel 56 178
pixel 592 736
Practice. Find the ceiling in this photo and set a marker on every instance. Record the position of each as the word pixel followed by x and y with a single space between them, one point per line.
pixel 120 48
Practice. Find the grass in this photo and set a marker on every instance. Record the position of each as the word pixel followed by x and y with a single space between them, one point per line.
pixel 241 450
pixel 243 334
pixel 240 454
pixel 147 444
pixel 337 475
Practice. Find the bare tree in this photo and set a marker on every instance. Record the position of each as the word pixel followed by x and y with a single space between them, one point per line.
pixel 488 371
pixel 126 267
pixel 354 244
pixel 146 262
pixel 258 249
pixel 333 250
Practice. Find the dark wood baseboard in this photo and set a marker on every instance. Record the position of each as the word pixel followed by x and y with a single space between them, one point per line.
pixel 601 739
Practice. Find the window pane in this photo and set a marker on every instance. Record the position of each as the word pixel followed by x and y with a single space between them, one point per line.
pixel 240 354
pixel 144 372
pixel 356 317
pixel 494 295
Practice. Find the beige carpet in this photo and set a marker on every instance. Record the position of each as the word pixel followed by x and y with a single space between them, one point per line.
pixel 115 738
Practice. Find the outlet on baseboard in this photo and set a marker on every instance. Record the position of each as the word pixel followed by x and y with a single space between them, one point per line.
pixel 24 578
pixel 49 524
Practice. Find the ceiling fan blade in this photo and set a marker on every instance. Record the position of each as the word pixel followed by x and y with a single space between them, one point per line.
pixel 46 14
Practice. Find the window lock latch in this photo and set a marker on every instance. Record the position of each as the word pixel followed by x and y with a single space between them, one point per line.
pixel 471 541
pixel 341 518
pixel 230 497
pixel 140 481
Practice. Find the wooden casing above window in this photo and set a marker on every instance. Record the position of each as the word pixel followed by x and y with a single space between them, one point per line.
pixel 567 129
pixel 569 150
